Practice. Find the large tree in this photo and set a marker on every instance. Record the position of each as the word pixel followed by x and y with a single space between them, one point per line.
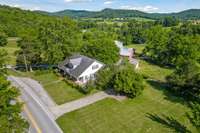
pixel 169 47
pixel 156 43
pixel 168 21
pixel 29 53
pixel 10 109
pixel 100 45
pixel 128 82
pixel 59 38
pixel 186 79
pixel 105 77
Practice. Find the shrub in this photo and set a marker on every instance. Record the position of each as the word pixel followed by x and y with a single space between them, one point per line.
pixel 128 82
pixel 105 77
pixel 88 87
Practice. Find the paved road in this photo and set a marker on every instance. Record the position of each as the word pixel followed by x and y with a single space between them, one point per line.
pixel 42 119
pixel 45 110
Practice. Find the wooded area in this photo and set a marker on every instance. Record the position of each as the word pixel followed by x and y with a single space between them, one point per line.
pixel 44 39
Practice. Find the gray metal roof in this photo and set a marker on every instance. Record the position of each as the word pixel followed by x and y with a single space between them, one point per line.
pixel 80 63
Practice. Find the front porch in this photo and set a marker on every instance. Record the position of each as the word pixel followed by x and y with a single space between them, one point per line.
pixel 84 79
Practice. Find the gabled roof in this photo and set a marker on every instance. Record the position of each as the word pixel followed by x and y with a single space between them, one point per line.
pixel 123 50
pixel 79 62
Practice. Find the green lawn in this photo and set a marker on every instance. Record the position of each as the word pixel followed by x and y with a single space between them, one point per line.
pixel 129 116
pixel 148 69
pixel 153 71
pixel 138 47
pixel 139 115
pixel 60 91
pixel 11 48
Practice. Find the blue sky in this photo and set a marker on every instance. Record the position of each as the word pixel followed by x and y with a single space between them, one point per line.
pixel 143 5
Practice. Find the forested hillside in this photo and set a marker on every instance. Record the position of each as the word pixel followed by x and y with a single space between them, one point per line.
pixel 119 13
pixel 106 13
pixel 50 39
pixel 16 22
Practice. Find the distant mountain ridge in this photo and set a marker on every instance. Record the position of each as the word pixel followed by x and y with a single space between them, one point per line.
pixel 120 13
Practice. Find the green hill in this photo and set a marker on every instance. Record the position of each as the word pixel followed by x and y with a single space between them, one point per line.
pixel 119 13
pixel 16 22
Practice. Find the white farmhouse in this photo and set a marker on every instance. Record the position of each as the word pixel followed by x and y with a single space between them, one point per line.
pixel 80 68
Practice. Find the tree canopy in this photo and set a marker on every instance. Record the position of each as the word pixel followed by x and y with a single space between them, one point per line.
pixel 10 109
pixel 128 82
pixel 100 45
pixel 3 39
pixel 10 117
pixel 170 47
pixel 178 47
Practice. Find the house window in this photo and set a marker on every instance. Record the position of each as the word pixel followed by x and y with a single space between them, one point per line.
pixel 81 79
pixel 87 77
pixel 95 67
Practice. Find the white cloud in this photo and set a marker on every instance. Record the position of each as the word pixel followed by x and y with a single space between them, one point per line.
pixel 73 1
pixel 147 8
pixel 16 5
pixel 26 7
pixel 108 2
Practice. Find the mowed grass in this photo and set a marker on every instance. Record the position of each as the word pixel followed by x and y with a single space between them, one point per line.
pixel 138 47
pixel 60 91
pixel 129 116
pixel 11 48
pixel 133 115
pixel 153 71
pixel 149 69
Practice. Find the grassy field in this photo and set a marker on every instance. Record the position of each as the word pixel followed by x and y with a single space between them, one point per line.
pixel 146 113
pixel 153 71
pixel 155 111
pixel 11 48
pixel 60 91
pixel 148 69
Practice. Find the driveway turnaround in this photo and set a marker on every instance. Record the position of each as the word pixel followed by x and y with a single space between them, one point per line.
pixel 43 119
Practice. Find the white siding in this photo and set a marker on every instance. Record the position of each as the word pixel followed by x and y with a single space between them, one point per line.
pixel 89 71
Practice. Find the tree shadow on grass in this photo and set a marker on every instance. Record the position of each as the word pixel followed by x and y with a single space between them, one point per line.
pixel 169 122
pixel 169 95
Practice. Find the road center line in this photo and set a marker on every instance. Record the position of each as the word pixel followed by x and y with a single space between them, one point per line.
pixel 32 120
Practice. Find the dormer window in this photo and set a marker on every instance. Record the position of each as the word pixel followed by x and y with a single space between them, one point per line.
pixel 95 67
pixel 69 65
